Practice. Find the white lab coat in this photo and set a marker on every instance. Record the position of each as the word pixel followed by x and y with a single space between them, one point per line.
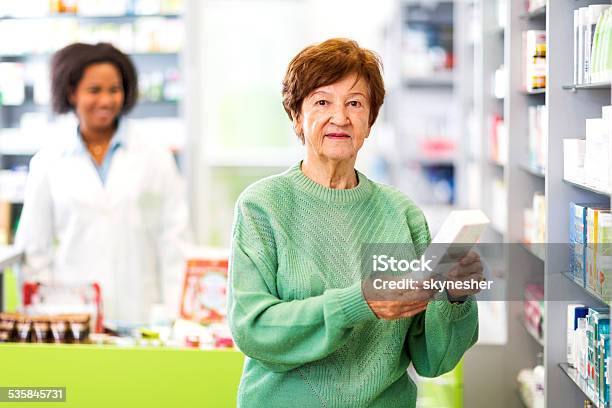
pixel 128 234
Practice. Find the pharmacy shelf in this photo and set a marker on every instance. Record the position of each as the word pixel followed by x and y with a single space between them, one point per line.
pixel 533 170
pixel 540 12
pixel 595 296
pixel 535 250
pixel 92 17
pixel 532 334
pixel 30 104
pixel 496 164
pixel 572 373
pixel 566 113
pixel 587 188
pixel 541 91
pixel 49 54
pixel 423 161
pixel 603 85
pixel 434 81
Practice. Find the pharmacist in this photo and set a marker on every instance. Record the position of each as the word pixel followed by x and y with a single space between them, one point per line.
pixel 104 204
pixel 297 306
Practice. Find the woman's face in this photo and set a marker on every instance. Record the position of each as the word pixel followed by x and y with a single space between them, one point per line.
pixel 335 119
pixel 98 97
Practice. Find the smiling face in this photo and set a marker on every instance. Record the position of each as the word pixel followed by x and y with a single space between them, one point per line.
pixel 98 97
pixel 335 119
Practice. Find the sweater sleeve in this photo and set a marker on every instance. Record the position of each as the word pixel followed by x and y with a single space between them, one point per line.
pixel 438 337
pixel 282 335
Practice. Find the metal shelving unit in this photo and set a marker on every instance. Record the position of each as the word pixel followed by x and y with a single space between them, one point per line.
pixel 587 188
pixel 582 388
pixel 566 114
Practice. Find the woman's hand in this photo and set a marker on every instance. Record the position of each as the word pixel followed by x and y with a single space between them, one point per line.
pixel 468 268
pixel 392 310
pixel 396 304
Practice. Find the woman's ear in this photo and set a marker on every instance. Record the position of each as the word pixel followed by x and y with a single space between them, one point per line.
pixel 297 124
pixel 71 97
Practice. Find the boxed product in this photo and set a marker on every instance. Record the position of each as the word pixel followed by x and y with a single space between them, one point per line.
pixel 591 44
pixel 205 291
pixel 591 349
pixel 534 47
pixel 598 257
pixel 598 325
pixel 533 308
pixel 538 131
pixel 574 312
pixel 600 65
pixel 596 158
pixel 573 159
pixel 604 366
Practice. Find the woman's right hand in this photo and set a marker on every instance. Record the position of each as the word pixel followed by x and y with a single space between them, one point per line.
pixel 393 310
pixel 393 305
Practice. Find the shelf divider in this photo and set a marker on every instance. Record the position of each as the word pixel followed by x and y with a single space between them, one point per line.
pixel 594 295
pixel 572 373
pixel 588 188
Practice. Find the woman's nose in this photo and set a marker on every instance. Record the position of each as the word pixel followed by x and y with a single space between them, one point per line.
pixel 339 116
pixel 106 99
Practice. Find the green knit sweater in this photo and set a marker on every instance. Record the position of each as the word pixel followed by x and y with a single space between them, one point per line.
pixel 295 303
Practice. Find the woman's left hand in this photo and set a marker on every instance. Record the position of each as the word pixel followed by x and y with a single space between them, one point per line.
pixel 469 268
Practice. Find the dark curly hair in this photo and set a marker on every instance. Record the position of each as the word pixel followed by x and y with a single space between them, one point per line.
pixel 69 63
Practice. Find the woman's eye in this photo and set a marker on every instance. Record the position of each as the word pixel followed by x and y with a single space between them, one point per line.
pixel 355 104
pixel 322 102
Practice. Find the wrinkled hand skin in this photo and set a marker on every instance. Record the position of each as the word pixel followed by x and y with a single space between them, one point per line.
pixel 401 304
pixel 396 304
pixel 468 268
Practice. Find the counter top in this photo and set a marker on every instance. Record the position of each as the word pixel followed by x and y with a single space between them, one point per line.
pixel 113 376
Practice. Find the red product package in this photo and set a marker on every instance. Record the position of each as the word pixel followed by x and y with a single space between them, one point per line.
pixel 204 291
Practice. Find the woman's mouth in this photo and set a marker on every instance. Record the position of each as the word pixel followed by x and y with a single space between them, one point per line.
pixel 338 136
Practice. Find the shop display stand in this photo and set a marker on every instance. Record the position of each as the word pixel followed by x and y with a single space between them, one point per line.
pixel 418 104
pixel 568 107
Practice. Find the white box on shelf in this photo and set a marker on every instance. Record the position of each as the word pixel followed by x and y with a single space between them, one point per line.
pixel 573 159
pixel 499 206
pixel 593 15
pixel 499 82
pixel 572 320
pixel 576 48
pixel 596 154
pixel 583 16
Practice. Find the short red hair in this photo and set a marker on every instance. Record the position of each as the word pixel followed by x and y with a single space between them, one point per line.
pixel 325 63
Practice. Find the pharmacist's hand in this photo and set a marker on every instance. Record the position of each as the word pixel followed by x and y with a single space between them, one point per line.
pixel 396 304
pixel 469 268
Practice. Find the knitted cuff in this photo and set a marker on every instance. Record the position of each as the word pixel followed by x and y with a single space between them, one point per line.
pixel 354 305
pixel 454 312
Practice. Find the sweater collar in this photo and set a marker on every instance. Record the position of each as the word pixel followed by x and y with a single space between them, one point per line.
pixel 336 196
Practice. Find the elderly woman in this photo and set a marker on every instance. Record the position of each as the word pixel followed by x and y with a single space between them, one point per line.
pixel 297 304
